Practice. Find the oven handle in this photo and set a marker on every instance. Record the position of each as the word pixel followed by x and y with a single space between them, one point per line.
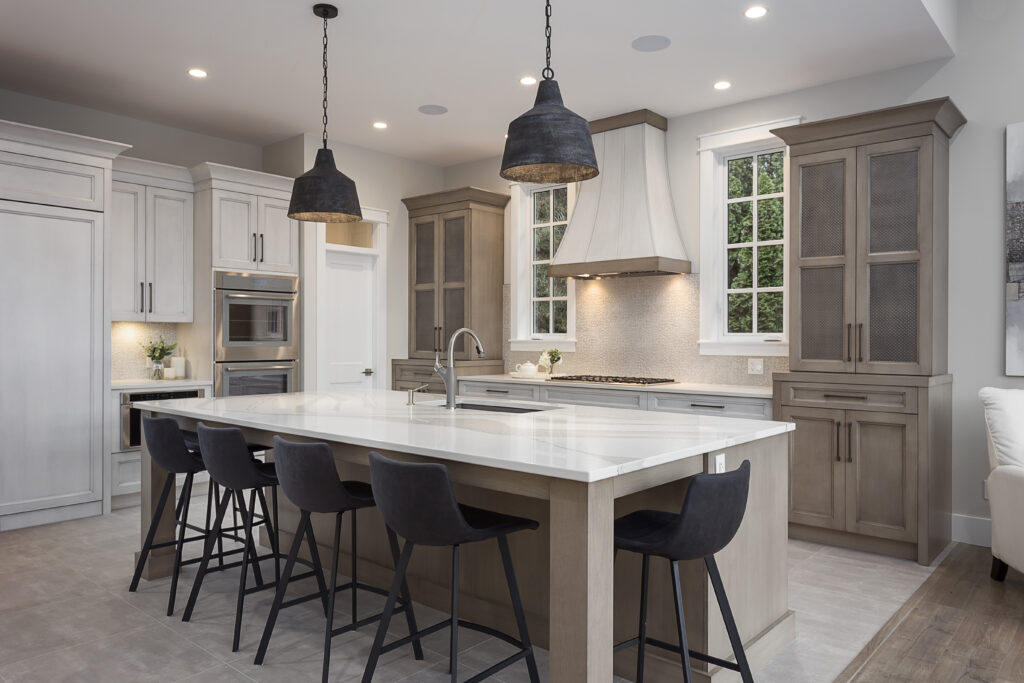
pixel 275 297
pixel 229 368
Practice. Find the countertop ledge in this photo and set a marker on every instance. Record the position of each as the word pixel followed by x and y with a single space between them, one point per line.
pixel 122 384
pixel 580 443
pixel 736 390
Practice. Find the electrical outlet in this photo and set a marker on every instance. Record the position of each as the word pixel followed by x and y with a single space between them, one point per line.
pixel 755 366
pixel 720 463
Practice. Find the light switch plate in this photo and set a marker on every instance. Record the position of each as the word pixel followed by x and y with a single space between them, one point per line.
pixel 755 366
pixel 719 463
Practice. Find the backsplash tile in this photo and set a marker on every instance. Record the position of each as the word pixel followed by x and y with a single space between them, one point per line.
pixel 645 326
pixel 127 359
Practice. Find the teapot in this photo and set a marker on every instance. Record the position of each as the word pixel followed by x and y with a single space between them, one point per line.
pixel 526 369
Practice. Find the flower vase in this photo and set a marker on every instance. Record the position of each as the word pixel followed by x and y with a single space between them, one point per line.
pixel 158 369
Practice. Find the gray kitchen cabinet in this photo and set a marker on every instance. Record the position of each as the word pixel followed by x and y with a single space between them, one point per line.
pixel 594 396
pixel 456 262
pixel 522 392
pixel 412 373
pixel 869 221
pixel 870 462
pixel 710 404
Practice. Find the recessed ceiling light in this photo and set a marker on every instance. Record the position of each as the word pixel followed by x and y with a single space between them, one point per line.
pixel 196 72
pixel 433 109
pixel 651 43
pixel 528 80
pixel 380 125
pixel 723 85
pixel 755 12
pixel 506 136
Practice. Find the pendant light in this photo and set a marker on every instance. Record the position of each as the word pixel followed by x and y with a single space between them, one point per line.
pixel 323 194
pixel 549 143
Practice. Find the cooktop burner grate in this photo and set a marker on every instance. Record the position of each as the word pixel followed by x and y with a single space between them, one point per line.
pixel 611 379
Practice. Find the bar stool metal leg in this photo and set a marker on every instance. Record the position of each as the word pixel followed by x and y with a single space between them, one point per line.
pixel 453 651
pixel 517 608
pixel 282 587
pixel 355 579
pixel 645 573
pixel 247 519
pixel 271 528
pixel 211 540
pixel 314 555
pixel 186 495
pixel 684 648
pixel 333 589
pixel 247 537
pixel 727 617
pixel 389 609
pixel 410 616
pixel 144 554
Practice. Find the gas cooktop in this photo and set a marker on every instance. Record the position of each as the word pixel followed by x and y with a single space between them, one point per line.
pixel 611 379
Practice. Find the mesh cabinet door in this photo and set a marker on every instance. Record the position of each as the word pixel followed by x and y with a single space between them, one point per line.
pixel 893 270
pixel 423 271
pixel 822 259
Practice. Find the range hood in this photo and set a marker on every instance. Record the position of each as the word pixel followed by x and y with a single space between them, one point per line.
pixel 624 222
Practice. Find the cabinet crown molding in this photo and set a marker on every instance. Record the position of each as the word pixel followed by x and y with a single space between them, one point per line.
pixel 59 140
pixel 463 194
pixel 152 173
pixel 941 111
pixel 222 177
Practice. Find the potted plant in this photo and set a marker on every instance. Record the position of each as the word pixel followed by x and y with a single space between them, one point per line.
pixel 549 359
pixel 156 352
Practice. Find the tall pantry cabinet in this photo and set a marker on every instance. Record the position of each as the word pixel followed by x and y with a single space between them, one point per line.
pixel 55 193
pixel 870 464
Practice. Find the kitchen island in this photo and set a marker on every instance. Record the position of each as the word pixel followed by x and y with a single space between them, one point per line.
pixel 572 468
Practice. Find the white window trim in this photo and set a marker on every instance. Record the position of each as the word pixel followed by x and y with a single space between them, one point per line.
pixel 521 262
pixel 713 150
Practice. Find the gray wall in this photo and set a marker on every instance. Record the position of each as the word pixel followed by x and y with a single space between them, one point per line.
pixel 151 141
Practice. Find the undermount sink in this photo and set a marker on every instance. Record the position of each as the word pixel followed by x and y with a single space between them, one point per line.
pixel 495 408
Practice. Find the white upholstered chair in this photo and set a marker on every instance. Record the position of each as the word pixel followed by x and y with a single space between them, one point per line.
pixel 1004 423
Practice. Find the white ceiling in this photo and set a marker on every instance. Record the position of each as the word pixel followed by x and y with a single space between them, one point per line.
pixel 390 56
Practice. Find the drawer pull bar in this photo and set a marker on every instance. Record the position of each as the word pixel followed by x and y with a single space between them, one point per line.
pixel 496 391
pixel 706 405
pixel 852 397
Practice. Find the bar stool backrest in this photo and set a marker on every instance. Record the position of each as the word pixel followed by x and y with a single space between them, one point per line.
pixel 417 501
pixel 227 457
pixel 167 446
pixel 309 477
pixel 712 512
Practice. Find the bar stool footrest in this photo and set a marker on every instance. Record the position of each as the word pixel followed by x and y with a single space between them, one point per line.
pixel 725 664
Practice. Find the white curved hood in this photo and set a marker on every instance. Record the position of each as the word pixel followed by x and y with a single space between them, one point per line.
pixel 624 222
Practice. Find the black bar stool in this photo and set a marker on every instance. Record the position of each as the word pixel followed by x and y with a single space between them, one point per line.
pixel 309 477
pixel 231 466
pixel 417 501
pixel 712 511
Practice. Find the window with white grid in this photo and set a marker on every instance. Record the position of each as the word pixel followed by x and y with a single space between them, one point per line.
pixel 549 295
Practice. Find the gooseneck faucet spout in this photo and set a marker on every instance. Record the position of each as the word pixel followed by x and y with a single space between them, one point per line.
pixel 447 373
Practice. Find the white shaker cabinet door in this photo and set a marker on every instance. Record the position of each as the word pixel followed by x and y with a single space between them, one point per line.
pixel 234 230
pixel 278 237
pixel 169 234
pixel 127 268
pixel 51 357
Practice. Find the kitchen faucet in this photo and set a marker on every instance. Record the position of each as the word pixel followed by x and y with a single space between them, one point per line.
pixel 448 373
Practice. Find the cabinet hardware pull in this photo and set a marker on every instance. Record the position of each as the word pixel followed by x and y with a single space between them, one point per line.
pixel 839 427
pixel 150 297
pixel 849 342
pixel 849 442
pixel 706 405
pixel 254 247
pixel 368 372
pixel 851 397
pixel 263 249
pixel 496 391
pixel 142 297
pixel 860 342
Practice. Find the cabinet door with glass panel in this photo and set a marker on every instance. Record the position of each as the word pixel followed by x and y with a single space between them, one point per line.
pixel 549 295
pixel 755 250
pixel 453 281
pixel 424 331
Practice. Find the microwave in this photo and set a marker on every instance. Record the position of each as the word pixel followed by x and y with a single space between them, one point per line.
pixel 255 317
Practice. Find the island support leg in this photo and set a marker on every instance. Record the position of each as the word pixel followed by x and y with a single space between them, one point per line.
pixel 161 560
pixel 582 580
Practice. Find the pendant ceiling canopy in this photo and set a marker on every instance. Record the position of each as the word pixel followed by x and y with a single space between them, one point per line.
pixel 549 143
pixel 324 194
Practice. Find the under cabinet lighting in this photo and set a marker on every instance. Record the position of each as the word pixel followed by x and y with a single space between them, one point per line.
pixel 755 12
pixel 196 72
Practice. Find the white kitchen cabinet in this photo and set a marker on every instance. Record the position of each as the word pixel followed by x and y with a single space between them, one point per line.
pixel 711 404
pixel 252 232
pixel 151 245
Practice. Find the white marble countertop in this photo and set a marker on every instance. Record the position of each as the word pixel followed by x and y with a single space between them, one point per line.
pixel 122 384
pixel 582 443
pixel 741 390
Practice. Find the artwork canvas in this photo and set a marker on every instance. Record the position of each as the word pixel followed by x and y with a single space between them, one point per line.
pixel 1015 249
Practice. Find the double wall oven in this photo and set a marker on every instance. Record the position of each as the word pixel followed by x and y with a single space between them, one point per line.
pixel 255 334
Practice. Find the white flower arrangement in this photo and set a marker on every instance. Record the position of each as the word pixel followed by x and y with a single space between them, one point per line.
pixel 549 359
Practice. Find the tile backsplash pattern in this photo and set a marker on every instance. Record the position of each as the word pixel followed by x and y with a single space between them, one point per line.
pixel 643 326
pixel 127 359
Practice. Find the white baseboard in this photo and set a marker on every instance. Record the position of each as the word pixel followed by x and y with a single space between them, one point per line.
pixel 20 520
pixel 973 530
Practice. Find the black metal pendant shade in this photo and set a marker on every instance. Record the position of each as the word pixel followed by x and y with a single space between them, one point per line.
pixel 549 143
pixel 323 194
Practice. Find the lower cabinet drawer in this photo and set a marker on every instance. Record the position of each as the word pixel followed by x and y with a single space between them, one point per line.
pixel 849 396
pixel 432 387
pixel 725 406
pixel 125 473
pixel 525 392
pixel 607 398
pixel 415 373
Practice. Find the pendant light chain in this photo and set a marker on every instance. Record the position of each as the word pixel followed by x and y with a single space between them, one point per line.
pixel 548 73
pixel 325 81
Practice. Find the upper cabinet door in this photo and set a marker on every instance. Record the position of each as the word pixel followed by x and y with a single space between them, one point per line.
pixel 169 235
pixel 894 257
pixel 823 222
pixel 424 329
pixel 127 270
pixel 455 277
pixel 235 240
pixel 278 243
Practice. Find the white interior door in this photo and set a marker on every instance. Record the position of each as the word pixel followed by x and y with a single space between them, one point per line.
pixel 347 313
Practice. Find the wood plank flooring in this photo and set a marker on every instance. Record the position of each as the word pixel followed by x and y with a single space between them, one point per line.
pixel 960 625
